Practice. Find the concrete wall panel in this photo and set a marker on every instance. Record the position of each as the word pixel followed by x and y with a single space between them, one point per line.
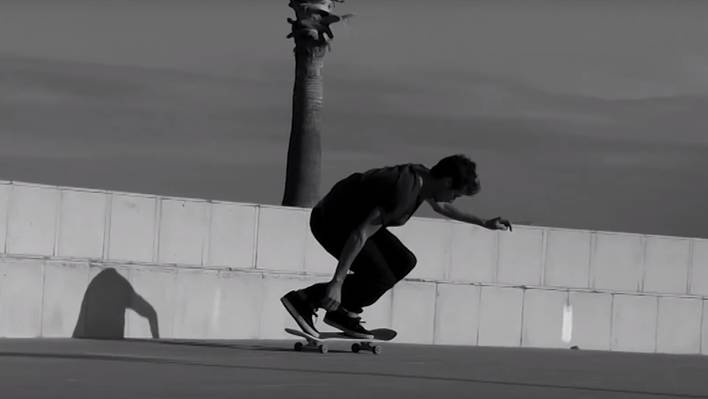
pixel 196 312
pixel 429 240
pixel 4 198
pixel 232 239
pixel 282 238
pixel 20 298
pixel 567 258
pixel 699 268
pixel 274 318
pixel 592 318
pixel 82 224
pixel 666 265
pixel 617 262
pixel 414 312
pixel 157 286
pixel 474 254
pixel 457 314
pixel 500 316
pixel 679 327
pixel 521 256
pixel 543 318
pixel 634 320
pixel 32 216
pixel 183 232
pixel 132 228
pixel 64 286
pixel 240 304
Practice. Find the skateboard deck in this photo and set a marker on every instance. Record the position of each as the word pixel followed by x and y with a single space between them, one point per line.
pixel 320 343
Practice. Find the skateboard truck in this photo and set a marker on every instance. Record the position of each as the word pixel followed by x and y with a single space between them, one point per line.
pixel 323 348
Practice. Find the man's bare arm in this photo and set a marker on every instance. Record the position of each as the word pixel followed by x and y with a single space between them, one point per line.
pixel 356 241
pixel 451 212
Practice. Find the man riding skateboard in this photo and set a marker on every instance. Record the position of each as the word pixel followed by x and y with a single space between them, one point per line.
pixel 351 222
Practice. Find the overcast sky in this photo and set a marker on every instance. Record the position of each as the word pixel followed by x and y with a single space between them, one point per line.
pixel 580 114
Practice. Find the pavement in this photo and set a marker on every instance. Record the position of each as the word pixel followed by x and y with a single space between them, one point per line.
pixel 105 369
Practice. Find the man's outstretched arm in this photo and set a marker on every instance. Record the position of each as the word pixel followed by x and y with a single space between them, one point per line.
pixel 448 210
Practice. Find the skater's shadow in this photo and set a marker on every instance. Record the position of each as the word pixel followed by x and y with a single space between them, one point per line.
pixel 243 345
pixel 103 308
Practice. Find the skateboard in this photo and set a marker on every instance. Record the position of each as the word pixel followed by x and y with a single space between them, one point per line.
pixel 320 343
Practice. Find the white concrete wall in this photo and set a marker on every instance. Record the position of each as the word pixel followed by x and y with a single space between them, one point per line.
pixel 500 316
pixel 699 268
pixel 634 323
pixel 679 325
pixel 616 262
pixel 217 270
pixel 543 318
pixel 592 320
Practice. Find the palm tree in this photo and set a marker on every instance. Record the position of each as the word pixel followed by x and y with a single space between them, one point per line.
pixel 312 34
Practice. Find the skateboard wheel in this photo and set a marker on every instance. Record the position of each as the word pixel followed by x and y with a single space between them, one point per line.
pixel 376 349
pixel 323 348
pixel 356 348
pixel 298 346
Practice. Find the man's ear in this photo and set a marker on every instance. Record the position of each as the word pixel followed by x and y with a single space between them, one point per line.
pixel 447 181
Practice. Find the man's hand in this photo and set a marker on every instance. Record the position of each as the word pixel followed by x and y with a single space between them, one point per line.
pixel 333 296
pixel 498 224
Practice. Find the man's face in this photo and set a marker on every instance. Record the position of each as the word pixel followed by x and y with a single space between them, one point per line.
pixel 450 194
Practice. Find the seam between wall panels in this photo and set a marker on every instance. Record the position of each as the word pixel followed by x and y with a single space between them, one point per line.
pixel 523 319
pixel 702 327
pixel 447 272
pixel 57 222
pixel 305 234
pixel 390 308
pixel 41 306
pixel 256 232
pixel 206 238
pixel 157 221
pixel 656 326
pixel 435 313
pixel 8 209
pixel 544 255
pixel 612 322
pixel 479 316
pixel 643 260
pixel 591 259
pixel 497 261
pixel 107 220
pixel 691 265
pixel 10 188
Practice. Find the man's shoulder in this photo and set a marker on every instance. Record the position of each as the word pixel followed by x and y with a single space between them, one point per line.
pixel 395 170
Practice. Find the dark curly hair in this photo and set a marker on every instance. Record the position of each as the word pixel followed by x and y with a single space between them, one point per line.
pixel 461 170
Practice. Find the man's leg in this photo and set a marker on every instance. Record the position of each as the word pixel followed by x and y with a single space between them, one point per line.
pixel 303 304
pixel 382 263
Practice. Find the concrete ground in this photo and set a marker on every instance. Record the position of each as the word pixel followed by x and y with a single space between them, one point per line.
pixel 67 368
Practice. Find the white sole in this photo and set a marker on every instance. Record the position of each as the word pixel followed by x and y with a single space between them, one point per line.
pixel 348 332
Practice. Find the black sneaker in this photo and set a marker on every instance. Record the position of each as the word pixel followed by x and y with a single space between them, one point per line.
pixel 300 309
pixel 349 325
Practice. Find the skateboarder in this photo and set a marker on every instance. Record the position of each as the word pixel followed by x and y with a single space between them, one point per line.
pixel 351 222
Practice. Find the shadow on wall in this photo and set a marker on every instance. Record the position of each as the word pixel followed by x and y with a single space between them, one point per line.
pixel 103 308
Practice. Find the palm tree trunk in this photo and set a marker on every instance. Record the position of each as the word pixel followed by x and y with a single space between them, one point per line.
pixel 312 33
pixel 303 174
